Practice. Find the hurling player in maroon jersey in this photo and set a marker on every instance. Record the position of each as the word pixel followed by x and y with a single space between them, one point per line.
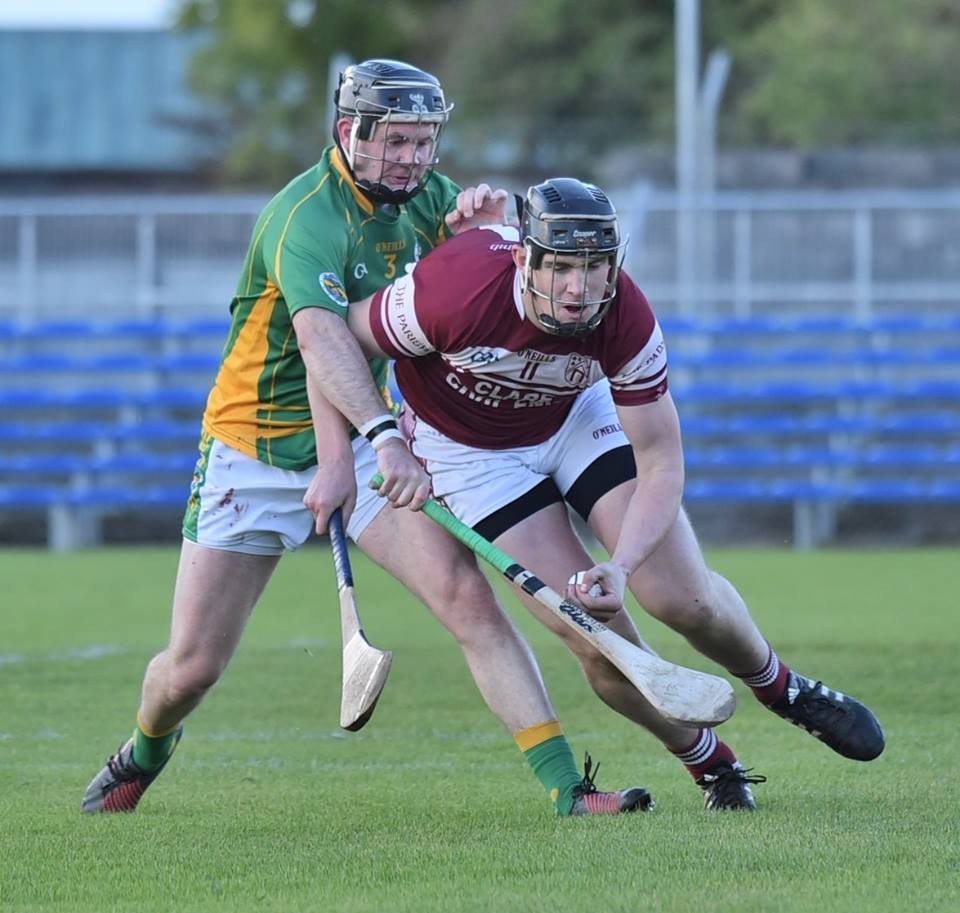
pixel 534 376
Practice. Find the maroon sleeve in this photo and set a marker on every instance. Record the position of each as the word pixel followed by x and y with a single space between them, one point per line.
pixel 634 354
pixel 433 308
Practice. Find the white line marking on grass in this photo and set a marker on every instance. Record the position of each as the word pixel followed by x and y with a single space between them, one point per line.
pixel 306 643
pixel 94 651
pixel 336 766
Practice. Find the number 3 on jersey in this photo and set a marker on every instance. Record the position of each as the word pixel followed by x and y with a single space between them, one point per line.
pixel 391 270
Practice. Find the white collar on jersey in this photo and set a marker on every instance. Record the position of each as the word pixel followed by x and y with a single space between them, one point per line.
pixel 518 294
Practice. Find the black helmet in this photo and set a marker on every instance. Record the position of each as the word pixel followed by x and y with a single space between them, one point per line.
pixel 570 217
pixel 382 91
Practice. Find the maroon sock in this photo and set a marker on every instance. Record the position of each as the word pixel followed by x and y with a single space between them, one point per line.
pixel 705 752
pixel 769 681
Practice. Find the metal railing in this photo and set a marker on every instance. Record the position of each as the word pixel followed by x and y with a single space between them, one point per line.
pixel 857 254
pixel 852 253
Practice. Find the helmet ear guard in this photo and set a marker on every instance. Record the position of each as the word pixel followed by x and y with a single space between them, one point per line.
pixel 567 217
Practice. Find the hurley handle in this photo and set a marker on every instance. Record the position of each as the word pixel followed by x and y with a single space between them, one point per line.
pixel 341 557
pixel 459 530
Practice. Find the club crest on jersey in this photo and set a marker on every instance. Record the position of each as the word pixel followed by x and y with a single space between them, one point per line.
pixel 577 371
pixel 332 285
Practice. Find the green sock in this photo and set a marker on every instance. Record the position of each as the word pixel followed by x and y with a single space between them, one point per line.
pixel 149 752
pixel 551 761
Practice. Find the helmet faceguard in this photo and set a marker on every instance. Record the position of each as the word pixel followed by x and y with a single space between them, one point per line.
pixel 383 93
pixel 576 222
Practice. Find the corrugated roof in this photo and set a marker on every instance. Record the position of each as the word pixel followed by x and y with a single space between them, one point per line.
pixel 97 100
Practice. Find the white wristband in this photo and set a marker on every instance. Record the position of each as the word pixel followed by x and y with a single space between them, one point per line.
pixel 367 427
pixel 386 435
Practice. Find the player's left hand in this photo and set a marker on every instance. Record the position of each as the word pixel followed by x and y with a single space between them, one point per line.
pixel 599 590
pixel 334 485
pixel 477 206
pixel 404 481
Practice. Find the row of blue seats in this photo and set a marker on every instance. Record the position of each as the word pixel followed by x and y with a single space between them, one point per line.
pixel 698 460
pixel 689 395
pixel 161 431
pixel 78 464
pixel 882 490
pixel 101 398
pixel 760 325
pixel 717 360
pixel 111 497
pixel 918 457
pixel 817 357
pixel 874 491
pixel 170 432
pixel 150 329
pixel 125 362
pixel 787 325
pixel 912 423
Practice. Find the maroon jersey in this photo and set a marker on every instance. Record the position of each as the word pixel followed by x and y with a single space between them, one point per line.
pixel 471 364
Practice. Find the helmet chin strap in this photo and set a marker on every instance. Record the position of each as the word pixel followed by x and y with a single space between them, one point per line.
pixel 577 328
pixel 383 195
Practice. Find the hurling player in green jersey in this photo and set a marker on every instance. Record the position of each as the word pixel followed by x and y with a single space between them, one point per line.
pixel 277 459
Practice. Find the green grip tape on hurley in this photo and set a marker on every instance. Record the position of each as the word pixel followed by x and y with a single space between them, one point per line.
pixel 459 530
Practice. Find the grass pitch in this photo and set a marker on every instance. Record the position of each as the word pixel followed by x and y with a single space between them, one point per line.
pixel 269 806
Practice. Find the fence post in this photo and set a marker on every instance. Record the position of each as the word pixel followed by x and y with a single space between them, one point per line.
pixel 147 277
pixel 863 264
pixel 742 297
pixel 27 267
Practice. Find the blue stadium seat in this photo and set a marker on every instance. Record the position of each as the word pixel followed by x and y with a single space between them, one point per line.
pixel 20 497
pixel 919 424
pixel 40 465
pixel 808 412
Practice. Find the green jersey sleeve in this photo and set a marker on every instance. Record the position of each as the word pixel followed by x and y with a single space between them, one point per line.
pixel 306 252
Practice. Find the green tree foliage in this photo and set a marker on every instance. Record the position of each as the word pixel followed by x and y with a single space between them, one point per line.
pixel 553 82
pixel 266 68
pixel 822 72
pixel 544 82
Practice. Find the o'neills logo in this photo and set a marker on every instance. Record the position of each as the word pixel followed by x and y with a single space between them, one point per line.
pixel 533 355
pixel 605 430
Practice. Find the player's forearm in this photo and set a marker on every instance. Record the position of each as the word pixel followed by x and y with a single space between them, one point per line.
pixel 650 515
pixel 653 431
pixel 329 427
pixel 336 366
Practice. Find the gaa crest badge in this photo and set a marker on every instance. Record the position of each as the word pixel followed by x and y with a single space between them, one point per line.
pixel 332 285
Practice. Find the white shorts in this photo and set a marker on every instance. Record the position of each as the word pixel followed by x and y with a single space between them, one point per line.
pixel 476 483
pixel 239 504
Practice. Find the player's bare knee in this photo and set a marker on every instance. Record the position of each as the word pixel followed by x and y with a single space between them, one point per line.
pixel 460 585
pixel 189 678
pixel 466 605
pixel 600 673
pixel 688 616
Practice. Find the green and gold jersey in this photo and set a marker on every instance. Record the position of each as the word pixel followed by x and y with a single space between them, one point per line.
pixel 318 243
